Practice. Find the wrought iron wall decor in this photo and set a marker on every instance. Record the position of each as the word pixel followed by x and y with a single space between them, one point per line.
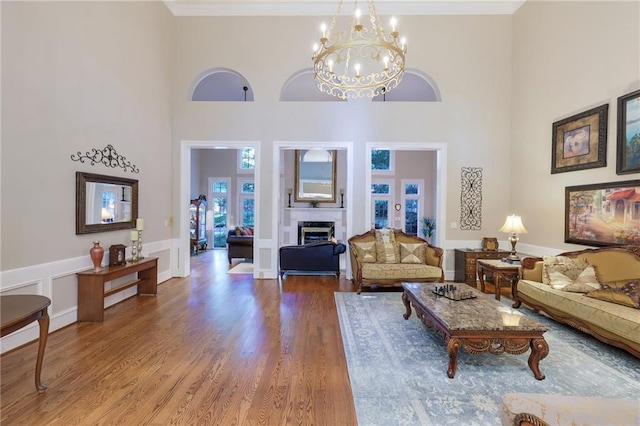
pixel 471 198
pixel 107 156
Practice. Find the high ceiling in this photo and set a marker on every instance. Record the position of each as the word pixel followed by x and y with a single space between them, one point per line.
pixel 328 7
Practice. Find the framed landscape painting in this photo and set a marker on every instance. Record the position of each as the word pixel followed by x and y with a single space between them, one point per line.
pixel 628 158
pixel 603 214
pixel 580 142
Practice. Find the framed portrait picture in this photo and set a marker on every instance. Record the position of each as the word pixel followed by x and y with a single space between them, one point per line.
pixel 628 158
pixel 603 214
pixel 580 142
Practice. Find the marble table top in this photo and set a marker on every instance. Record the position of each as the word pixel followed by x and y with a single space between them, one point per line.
pixel 480 313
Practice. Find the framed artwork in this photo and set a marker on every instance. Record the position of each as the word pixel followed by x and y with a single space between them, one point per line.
pixel 628 158
pixel 580 142
pixel 603 214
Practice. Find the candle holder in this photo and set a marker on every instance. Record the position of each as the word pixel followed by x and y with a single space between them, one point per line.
pixel 289 191
pixel 134 251
pixel 139 245
pixel 342 198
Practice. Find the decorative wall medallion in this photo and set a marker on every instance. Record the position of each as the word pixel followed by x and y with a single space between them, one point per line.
pixel 107 156
pixel 471 198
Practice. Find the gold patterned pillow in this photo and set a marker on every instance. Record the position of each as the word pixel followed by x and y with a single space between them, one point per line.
pixel 412 252
pixel 566 265
pixel 627 295
pixel 572 279
pixel 366 251
pixel 387 252
pixel 385 235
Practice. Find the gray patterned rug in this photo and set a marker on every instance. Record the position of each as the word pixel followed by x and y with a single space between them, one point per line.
pixel 398 368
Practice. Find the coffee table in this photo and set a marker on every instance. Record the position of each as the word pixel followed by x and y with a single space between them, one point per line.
pixel 478 325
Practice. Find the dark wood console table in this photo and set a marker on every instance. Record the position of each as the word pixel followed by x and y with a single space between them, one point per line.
pixel 91 291
pixel 17 311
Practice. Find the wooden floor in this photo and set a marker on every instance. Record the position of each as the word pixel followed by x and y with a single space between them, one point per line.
pixel 210 349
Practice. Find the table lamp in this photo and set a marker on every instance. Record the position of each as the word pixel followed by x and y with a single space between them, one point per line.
pixel 513 226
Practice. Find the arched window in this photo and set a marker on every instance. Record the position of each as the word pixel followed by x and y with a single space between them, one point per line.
pixel 415 86
pixel 222 85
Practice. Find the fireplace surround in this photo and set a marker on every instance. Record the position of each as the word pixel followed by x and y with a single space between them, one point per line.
pixel 309 232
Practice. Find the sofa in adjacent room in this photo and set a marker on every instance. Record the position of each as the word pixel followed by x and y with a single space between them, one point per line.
pixel 594 290
pixel 317 256
pixel 240 243
pixel 388 257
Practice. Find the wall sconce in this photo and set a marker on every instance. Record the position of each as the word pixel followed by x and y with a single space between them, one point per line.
pixel 398 207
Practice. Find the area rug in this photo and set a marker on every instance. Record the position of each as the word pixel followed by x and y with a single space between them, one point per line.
pixel 398 367
pixel 242 268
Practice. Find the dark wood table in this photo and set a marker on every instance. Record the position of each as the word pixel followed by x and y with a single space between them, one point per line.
pixel 478 325
pixel 500 271
pixel 17 311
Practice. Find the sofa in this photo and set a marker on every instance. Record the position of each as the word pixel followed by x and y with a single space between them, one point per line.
pixel 318 256
pixel 239 244
pixel 388 257
pixel 594 290
pixel 531 409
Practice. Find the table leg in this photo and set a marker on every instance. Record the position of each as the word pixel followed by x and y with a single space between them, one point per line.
pixel 407 305
pixel 539 350
pixel 497 281
pixel 480 271
pixel 453 345
pixel 43 322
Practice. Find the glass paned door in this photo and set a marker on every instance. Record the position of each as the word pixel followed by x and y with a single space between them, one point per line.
pixel 219 221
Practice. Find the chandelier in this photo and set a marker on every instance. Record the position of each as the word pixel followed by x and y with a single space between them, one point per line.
pixel 362 62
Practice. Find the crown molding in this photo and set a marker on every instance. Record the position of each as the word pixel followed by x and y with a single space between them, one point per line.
pixel 328 7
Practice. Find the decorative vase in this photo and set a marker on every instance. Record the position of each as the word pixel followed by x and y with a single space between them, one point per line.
pixel 96 253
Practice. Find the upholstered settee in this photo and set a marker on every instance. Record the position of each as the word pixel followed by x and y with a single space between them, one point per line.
pixel 531 409
pixel 239 244
pixel 318 256
pixel 387 257
pixel 594 290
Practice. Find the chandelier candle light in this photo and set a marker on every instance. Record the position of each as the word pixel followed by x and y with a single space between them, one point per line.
pixel 361 62
pixel 513 225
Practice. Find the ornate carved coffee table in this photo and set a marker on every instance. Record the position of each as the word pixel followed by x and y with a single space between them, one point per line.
pixel 478 325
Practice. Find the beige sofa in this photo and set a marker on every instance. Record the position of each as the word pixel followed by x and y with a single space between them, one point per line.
pixel 616 323
pixel 405 258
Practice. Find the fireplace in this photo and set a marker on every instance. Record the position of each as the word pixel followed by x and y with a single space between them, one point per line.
pixel 309 232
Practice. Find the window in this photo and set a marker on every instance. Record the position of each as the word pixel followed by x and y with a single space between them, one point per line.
pixel 381 160
pixel 246 160
pixel 412 200
pixel 246 202
pixel 381 200
pixel 219 196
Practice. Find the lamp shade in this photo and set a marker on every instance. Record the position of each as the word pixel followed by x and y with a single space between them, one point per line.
pixel 513 225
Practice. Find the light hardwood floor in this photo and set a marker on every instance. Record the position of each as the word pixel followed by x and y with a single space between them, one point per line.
pixel 210 349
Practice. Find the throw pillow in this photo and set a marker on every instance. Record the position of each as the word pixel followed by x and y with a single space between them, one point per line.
pixel 249 231
pixel 572 279
pixel 385 235
pixel 387 252
pixel 366 251
pixel 562 264
pixel 627 295
pixel 412 253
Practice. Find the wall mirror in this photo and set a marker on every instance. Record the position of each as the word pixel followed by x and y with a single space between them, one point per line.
pixel 105 203
pixel 315 175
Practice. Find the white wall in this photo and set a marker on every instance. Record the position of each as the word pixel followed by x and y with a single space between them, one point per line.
pixel 568 57
pixel 78 76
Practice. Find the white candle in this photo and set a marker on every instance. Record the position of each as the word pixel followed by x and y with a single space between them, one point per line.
pixel 134 235
pixel 139 224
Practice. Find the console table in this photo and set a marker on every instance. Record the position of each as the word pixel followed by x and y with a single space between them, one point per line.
pixel 91 291
pixel 465 263
pixel 17 311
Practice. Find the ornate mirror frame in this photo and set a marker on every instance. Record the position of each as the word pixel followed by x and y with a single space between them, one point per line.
pixel 82 182
pixel 329 170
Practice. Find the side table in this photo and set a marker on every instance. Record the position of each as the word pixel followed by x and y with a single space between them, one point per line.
pixel 500 271
pixel 17 311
